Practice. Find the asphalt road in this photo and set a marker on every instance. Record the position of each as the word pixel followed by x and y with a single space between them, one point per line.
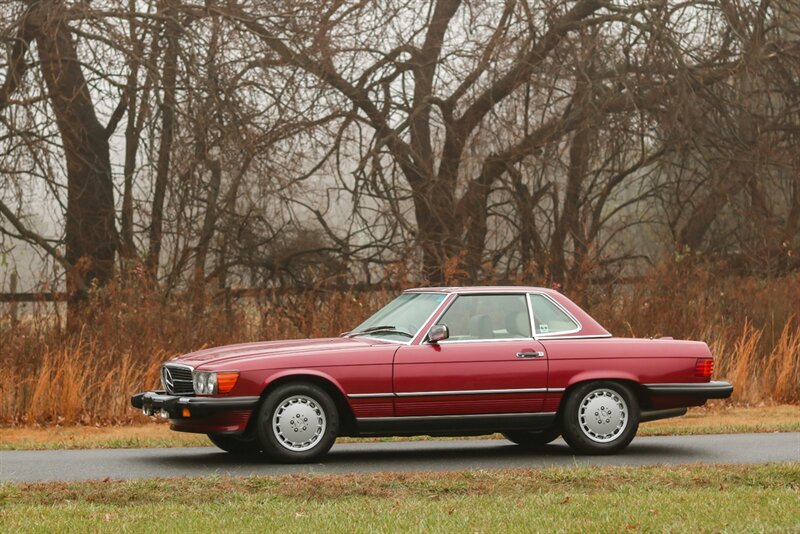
pixel 442 455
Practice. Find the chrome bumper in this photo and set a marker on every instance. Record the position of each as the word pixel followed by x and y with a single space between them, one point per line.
pixel 159 403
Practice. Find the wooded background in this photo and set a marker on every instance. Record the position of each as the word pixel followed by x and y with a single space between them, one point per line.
pixel 196 174
pixel 305 143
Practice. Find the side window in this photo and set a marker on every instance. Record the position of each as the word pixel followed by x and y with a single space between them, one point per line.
pixel 473 317
pixel 548 318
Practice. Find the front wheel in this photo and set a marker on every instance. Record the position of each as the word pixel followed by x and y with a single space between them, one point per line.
pixel 600 417
pixel 297 423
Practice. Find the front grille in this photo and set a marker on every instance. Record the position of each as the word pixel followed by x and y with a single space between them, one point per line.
pixel 177 380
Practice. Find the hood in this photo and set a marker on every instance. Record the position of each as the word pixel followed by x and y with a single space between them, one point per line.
pixel 231 354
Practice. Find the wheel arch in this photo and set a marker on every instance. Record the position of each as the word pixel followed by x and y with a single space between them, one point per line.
pixel 326 382
pixel 623 378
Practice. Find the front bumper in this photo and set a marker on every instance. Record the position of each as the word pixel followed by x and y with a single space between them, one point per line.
pixel 705 390
pixel 198 414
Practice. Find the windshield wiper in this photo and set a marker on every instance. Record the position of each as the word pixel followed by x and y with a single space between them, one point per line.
pixel 391 329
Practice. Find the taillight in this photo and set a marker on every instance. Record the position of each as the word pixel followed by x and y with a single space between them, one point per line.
pixel 704 367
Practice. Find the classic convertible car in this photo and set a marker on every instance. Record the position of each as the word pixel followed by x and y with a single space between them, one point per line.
pixel 523 361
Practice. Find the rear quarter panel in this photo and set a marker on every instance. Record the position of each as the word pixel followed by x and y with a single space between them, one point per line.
pixel 644 361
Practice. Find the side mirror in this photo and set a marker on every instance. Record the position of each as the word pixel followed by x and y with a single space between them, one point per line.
pixel 438 332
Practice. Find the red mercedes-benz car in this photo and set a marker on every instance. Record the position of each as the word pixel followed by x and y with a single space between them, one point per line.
pixel 524 361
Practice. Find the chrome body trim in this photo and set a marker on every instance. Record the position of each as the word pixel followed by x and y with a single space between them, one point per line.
pixel 169 382
pixel 454 392
pixel 470 293
pixel 454 416
pixel 171 364
pixel 395 341
pixel 436 313
pixel 698 385
pixel 530 315
pixel 413 338
pixel 531 354
pixel 535 336
pixel 500 340
pixel 588 336
pixel 559 306
pixel 471 392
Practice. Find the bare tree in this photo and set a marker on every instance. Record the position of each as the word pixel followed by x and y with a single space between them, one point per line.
pixel 301 143
pixel 426 105
pixel 90 236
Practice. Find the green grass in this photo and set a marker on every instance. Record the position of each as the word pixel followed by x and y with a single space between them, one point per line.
pixel 677 429
pixel 178 440
pixel 678 499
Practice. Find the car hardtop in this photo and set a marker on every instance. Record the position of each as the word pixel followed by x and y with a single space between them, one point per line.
pixel 483 289
pixel 588 326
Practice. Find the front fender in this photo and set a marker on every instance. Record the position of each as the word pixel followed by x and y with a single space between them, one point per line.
pixel 300 373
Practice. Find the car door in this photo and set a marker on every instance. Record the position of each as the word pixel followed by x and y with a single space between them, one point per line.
pixel 490 364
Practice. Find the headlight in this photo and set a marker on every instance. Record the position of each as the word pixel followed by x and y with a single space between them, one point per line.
pixel 198 382
pixel 211 383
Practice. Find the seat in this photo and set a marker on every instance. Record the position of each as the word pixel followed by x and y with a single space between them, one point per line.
pixel 518 324
pixel 480 327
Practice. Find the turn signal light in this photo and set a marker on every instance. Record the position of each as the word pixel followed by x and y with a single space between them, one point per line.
pixel 226 381
pixel 704 367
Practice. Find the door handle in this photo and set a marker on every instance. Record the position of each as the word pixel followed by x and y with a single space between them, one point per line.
pixel 530 354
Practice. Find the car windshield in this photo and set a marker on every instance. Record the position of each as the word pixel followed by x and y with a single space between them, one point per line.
pixel 402 318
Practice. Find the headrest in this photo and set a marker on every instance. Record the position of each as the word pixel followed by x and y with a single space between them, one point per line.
pixel 518 324
pixel 480 327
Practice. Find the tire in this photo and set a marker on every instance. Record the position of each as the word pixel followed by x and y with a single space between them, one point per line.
pixel 600 417
pixel 235 444
pixel 532 439
pixel 303 436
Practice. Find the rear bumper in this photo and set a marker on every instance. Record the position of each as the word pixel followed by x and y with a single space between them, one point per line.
pixel 198 414
pixel 704 390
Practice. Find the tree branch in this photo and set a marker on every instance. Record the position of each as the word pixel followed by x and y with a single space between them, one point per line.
pixel 324 71
pixel 119 111
pixel 33 237
pixel 16 63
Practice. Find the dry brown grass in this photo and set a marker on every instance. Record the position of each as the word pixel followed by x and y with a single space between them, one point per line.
pixel 49 376
pixel 724 418
pixel 751 325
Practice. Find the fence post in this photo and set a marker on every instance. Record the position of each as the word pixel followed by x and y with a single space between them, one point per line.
pixel 13 307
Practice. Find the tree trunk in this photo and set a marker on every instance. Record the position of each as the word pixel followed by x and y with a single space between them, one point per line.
pixel 165 146
pixel 437 238
pixel 91 237
pixel 206 233
pixel 133 130
pixel 568 226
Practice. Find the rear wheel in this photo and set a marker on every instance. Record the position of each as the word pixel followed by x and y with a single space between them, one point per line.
pixel 297 423
pixel 532 439
pixel 236 444
pixel 600 417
